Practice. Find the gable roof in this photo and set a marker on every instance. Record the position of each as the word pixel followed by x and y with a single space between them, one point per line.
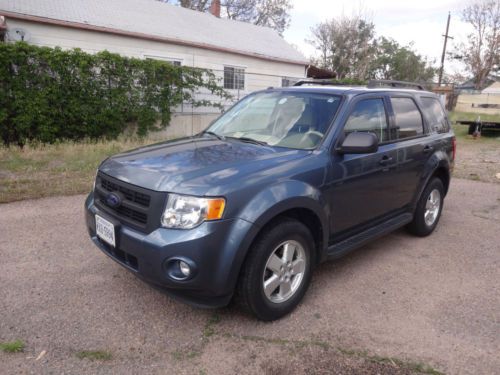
pixel 470 83
pixel 492 89
pixel 151 19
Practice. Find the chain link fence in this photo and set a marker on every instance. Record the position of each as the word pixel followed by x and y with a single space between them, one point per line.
pixel 189 120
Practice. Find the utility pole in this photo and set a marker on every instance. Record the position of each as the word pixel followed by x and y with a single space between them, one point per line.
pixel 446 37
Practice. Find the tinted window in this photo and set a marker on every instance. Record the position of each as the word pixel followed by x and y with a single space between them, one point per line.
pixel 368 116
pixel 435 115
pixel 408 118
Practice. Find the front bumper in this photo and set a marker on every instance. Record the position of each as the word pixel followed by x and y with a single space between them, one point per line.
pixel 216 249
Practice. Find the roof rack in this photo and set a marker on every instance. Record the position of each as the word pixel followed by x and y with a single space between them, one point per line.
pixel 321 82
pixel 391 83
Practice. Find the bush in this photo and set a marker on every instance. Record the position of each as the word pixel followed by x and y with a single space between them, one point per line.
pixel 47 95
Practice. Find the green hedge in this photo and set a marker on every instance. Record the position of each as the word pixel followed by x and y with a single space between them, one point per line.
pixel 47 95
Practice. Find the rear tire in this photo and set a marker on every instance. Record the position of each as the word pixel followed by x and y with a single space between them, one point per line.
pixel 277 271
pixel 429 208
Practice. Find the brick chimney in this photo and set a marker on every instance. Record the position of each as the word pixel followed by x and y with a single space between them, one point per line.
pixel 215 8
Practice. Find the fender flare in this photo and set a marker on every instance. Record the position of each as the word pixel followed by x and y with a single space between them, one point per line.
pixel 438 160
pixel 272 202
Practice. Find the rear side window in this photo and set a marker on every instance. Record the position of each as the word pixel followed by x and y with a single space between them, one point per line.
pixel 408 118
pixel 368 116
pixel 435 115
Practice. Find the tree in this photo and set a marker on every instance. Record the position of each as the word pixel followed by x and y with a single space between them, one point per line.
pixel 199 5
pixel 393 61
pixel 270 13
pixel 346 45
pixel 481 52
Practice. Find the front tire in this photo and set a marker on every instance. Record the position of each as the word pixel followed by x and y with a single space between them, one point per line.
pixel 429 208
pixel 277 271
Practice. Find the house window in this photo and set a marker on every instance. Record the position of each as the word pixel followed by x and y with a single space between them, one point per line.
pixel 234 78
pixel 174 62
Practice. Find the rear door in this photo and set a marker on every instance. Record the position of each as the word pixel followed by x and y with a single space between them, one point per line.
pixel 411 144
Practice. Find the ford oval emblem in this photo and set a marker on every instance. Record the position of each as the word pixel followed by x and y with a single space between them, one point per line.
pixel 113 200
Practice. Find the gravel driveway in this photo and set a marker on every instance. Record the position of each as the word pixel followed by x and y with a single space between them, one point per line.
pixel 386 308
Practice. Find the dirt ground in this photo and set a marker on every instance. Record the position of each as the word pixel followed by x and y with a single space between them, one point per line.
pixel 395 306
pixel 477 158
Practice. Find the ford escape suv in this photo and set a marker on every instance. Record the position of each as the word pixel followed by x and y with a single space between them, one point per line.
pixel 285 179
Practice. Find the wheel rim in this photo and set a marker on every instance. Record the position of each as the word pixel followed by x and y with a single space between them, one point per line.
pixel 284 271
pixel 432 207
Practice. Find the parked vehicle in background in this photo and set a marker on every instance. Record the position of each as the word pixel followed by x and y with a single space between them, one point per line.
pixel 284 180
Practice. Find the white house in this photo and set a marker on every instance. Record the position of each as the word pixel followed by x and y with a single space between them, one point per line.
pixel 246 57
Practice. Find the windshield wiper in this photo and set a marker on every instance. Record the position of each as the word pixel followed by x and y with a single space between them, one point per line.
pixel 219 137
pixel 250 140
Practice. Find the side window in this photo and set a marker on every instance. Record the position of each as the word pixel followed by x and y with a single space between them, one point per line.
pixel 435 115
pixel 409 121
pixel 368 116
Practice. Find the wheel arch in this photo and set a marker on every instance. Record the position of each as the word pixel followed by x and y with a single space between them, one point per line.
pixel 305 207
pixel 437 166
pixel 309 219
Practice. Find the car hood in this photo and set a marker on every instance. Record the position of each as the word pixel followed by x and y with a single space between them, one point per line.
pixel 196 165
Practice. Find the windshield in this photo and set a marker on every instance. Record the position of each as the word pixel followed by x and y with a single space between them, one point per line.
pixel 286 119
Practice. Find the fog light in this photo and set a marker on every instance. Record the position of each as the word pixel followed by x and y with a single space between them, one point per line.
pixel 180 269
pixel 184 268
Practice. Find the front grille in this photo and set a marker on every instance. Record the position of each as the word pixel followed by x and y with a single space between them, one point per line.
pixel 140 208
pixel 133 196
pixel 131 214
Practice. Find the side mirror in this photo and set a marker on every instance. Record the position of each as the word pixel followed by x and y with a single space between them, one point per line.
pixel 359 143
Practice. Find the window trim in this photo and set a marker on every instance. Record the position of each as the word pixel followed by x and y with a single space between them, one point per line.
pixel 425 127
pixel 234 67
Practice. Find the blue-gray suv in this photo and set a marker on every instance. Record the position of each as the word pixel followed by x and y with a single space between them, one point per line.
pixel 285 179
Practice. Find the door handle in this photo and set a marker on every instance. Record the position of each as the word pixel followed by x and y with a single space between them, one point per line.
pixel 385 160
pixel 428 149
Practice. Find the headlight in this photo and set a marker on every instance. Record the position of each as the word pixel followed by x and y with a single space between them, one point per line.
pixel 185 212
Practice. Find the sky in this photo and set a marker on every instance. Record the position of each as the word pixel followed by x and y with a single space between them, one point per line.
pixel 422 22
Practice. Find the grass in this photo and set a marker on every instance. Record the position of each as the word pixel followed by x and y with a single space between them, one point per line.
pixel 469 116
pixel 94 355
pixel 417 367
pixel 12 347
pixel 182 355
pixel 478 158
pixel 69 168
pixel 60 169
pixel 209 329
pixel 207 332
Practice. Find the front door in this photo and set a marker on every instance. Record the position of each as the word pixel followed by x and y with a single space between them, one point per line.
pixel 359 186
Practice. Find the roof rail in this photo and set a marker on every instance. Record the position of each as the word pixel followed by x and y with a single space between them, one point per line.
pixel 321 82
pixel 391 83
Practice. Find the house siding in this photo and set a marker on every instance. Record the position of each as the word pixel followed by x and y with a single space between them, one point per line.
pixel 259 73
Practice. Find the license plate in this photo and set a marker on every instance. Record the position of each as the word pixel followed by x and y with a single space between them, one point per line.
pixel 105 230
